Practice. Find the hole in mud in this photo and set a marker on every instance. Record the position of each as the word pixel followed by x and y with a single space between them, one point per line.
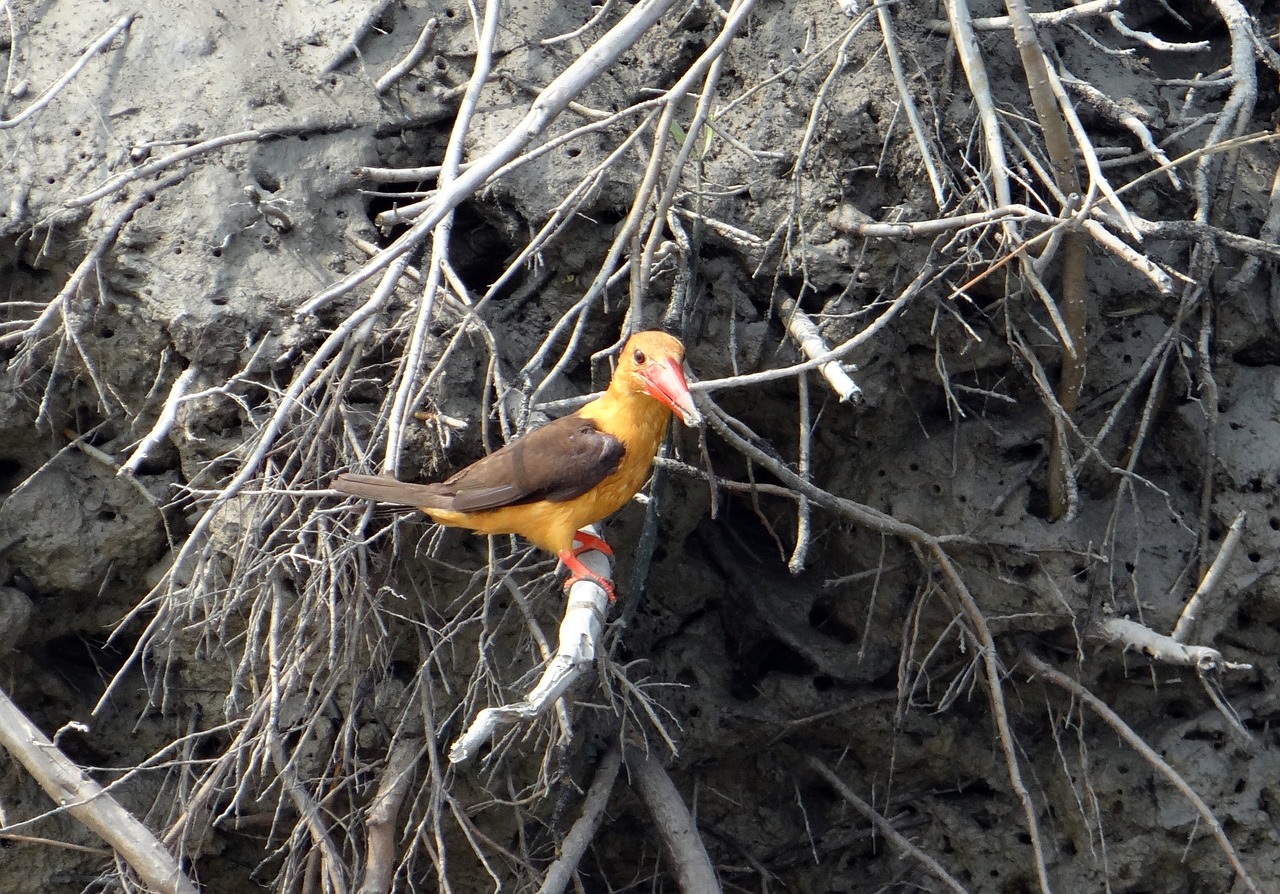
pixel 10 474
pixel 1038 503
pixel 1022 452
pixel 825 620
pixel 268 181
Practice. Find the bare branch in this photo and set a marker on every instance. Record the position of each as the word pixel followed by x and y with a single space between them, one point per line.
pixel 84 799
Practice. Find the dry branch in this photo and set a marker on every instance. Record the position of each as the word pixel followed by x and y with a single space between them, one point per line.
pixel 575 844
pixel 1166 649
pixel 804 331
pixel 85 800
pixel 675 825
pixel 380 819
pixel 1212 580
pixel 580 629
pixel 412 58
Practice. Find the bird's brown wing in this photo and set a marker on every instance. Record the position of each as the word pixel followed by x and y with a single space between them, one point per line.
pixel 562 460
pixel 558 462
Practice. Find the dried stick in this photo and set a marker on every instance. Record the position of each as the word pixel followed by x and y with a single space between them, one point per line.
pixel 168 416
pixel 351 46
pixel 1114 110
pixel 980 86
pixel 1058 17
pixel 45 98
pixel 412 58
pixel 1155 43
pixel 1149 754
pixel 676 827
pixel 580 630
pixel 927 154
pixel 380 819
pixel 804 332
pixel 803 516
pixel 85 800
pixel 575 844
pixel 835 354
pixel 1166 649
pixel 111 184
pixel 1073 300
pixel 600 13
pixel 1209 584
pixel 885 828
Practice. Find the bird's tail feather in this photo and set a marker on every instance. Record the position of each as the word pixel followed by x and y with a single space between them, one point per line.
pixel 386 489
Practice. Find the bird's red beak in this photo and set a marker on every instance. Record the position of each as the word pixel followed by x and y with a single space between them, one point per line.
pixel 664 382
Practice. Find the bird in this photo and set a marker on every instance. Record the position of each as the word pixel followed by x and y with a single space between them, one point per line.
pixel 549 484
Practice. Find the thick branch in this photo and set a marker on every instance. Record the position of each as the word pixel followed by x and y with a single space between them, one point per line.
pixel 84 799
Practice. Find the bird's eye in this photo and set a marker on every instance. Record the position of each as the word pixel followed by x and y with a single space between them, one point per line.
pixel 638 357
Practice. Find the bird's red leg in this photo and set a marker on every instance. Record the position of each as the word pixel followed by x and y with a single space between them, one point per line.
pixel 578 571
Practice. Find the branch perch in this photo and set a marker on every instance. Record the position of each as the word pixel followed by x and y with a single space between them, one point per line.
pixel 580 631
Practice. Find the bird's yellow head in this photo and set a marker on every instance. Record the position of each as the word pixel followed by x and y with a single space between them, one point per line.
pixel 652 363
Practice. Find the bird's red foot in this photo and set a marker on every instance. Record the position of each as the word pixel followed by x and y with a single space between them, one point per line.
pixel 590 541
pixel 579 571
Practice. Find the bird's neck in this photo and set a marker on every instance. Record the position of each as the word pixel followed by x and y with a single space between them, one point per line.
pixel 637 420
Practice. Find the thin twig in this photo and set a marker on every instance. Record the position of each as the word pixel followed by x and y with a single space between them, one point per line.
pixel 1212 579
pixel 164 422
pixel 47 96
pixel 884 827
pixel 1149 754
pixel 351 46
pixel 412 58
